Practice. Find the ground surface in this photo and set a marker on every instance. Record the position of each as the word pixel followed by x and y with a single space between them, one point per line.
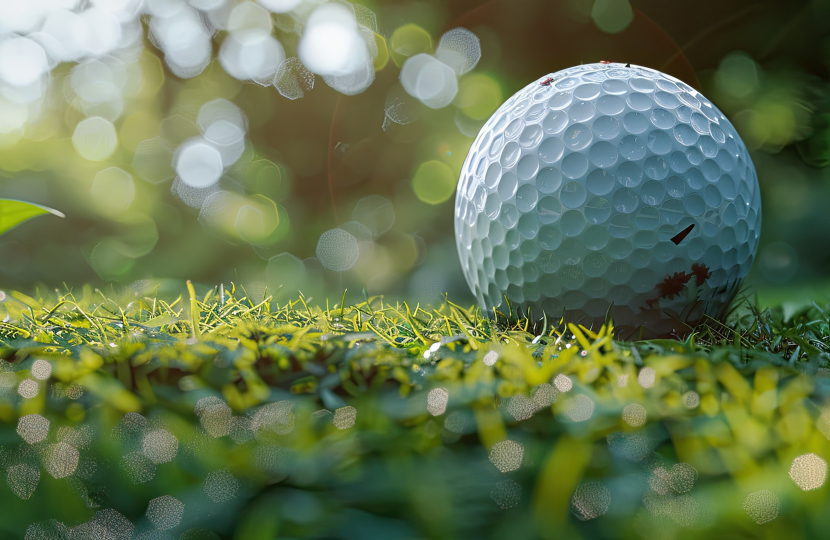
pixel 222 416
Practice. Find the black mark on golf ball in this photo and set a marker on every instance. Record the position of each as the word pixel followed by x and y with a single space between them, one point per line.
pixel 682 234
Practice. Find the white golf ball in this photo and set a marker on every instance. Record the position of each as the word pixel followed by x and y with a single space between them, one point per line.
pixel 608 189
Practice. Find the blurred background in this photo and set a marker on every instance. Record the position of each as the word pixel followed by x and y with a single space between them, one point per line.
pixel 307 145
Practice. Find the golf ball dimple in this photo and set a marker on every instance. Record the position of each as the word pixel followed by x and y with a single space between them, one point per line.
pixel 608 188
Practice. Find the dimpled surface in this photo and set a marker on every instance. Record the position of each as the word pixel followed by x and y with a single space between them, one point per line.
pixel 573 190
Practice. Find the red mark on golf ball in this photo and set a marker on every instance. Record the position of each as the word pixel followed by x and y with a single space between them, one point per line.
pixel 547 81
pixel 673 285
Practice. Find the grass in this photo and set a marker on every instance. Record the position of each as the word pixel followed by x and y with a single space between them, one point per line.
pixel 223 416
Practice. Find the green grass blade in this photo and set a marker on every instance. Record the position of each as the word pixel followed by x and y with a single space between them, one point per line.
pixel 13 213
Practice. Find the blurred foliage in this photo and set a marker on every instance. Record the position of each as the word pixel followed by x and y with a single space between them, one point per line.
pixel 249 413
pixel 220 415
pixel 104 145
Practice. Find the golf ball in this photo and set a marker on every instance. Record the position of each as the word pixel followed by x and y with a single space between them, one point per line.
pixel 608 189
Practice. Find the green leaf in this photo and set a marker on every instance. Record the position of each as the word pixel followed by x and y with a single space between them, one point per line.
pixel 13 213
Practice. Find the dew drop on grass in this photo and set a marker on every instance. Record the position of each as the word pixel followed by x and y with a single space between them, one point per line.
pixel 683 477
pixel 686 510
pixel 79 437
pixel 490 358
pixel 33 428
pixel 113 190
pixel 332 44
pixel 460 49
pixel 184 39
pixel 460 422
pixel 220 210
pixel 165 512
pixel 631 446
pixel 762 506
pixel 249 18
pixel 337 250
pixel 87 468
pixel 98 80
pixel 221 110
pixel 160 446
pixel 28 389
pixel 544 396
pixel 214 415
pixel 563 383
pixel 228 139
pixel 41 369
pixel 353 83
pixel 429 80
pixel 507 494
pixel 590 500
pixel 48 530
pixel 581 408
pixel 152 161
pixel 62 390
pixel 138 467
pixel 660 481
pixel 808 471
pixel 293 80
pixel 520 407
pixel 221 486
pixel 361 232
pixel 22 61
pixel 691 399
pixel 401 108
pixel 95 138
pixel 242 430
pixel 129 432
pixel 198 163
pixel 251 56
pixel 634 415
pixel 193 197
pixel 507 455
pixel 364 16
pixel 61 460
pixel 345 417
pixel 321 418
pixel 106 524
pixel 23 479
pixel 646 377
pixel 276 417
pixel 437 401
